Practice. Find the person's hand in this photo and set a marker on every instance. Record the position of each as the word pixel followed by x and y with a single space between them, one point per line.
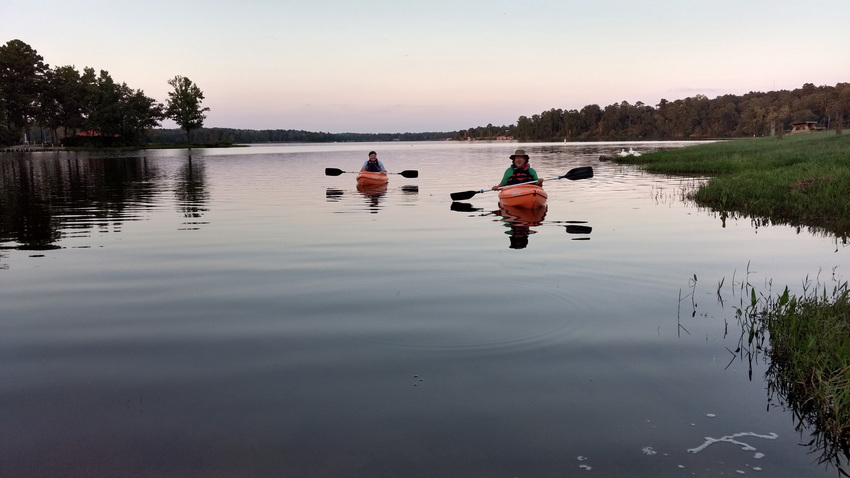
pixel 496 187
pixel 540 182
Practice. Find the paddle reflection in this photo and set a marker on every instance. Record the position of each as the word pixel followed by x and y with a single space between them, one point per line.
pixel 579 228
pixel 520 222
pixel 333 195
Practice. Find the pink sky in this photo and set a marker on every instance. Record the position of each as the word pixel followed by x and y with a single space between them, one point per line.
pixel 385 66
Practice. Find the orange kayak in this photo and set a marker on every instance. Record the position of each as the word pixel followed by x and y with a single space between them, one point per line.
pixel 368 178
pixel 529 196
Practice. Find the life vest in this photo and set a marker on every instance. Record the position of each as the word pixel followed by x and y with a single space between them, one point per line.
pixel 520 175
pixel 373 167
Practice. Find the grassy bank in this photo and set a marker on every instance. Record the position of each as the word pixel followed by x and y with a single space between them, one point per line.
pixel 809 361
pixel 800 180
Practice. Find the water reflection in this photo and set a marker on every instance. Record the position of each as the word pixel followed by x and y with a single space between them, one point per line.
pixel 43 200
pixel 829 438
pixel 579 228
pixel 372 193
pixel 191 192
pixel 519 222
pixel 334 195
pixel 833 444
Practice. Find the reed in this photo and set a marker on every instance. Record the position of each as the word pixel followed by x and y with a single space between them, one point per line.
pixel 810 362
pixel 802 180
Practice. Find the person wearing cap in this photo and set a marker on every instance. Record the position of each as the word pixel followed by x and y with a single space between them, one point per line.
pixel 519 172
pixel 373 165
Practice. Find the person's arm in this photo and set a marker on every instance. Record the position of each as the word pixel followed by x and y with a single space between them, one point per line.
pixel 381 165
pixel 363 168
pixel 508 173
pixel 534 175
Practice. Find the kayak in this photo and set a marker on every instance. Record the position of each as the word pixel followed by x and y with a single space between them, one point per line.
pixel 368 178
pixel 529 196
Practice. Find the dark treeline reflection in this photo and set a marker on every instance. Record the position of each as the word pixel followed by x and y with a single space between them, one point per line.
pixel 43 200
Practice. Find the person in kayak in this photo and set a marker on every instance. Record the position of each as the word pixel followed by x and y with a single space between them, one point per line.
pixel 373 164
pixel 519 172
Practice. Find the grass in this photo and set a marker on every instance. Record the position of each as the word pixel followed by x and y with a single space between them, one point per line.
pixel 801 180
pixel 804 181
pixel 809 361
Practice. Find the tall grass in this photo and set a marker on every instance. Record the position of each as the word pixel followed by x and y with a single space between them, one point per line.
pixel 800 180
pixel 809 356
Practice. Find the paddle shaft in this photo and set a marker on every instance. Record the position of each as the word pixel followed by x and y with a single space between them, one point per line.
pixel 408 173
pixel 573 174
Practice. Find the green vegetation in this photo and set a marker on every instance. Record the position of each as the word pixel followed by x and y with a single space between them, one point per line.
pixel 62 102
pixel 82 110
pixel 802 180
pixel 728 116
pixel 184 105
pixel 809 360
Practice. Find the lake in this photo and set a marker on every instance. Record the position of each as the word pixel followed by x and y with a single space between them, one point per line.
pixel 237 312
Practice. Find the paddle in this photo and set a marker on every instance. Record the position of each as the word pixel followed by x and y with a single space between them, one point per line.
pixel 409 173
pixel 584 172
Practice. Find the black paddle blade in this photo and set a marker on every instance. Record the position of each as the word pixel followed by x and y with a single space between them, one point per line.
pixel 333 172
pixel 573 229
pixel 463 195
pixel 410 173
pixel 579 173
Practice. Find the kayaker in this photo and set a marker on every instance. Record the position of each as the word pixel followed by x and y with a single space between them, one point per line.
pixel 373 164
pixel 519 172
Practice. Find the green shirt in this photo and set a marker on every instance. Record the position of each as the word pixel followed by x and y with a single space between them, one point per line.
pixel 510 172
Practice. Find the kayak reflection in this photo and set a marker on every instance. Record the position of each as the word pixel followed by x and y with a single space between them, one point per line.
pixel 373 194
pixel 519 221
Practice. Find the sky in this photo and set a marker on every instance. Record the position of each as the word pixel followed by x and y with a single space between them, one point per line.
pixel 390 66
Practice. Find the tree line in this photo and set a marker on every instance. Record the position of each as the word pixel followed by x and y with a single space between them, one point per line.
pixel 727 116
pixel 83 108
pixel 39 103
pixel 247 136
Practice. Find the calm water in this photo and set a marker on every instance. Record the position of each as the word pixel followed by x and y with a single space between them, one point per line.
pixel 238 313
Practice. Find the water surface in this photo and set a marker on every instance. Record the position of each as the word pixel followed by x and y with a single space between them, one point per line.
pixel 237 312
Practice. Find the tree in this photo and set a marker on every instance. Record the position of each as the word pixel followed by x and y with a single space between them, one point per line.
pixel 184 105
pixel 62 101
pixel 22 72
pixel 118 113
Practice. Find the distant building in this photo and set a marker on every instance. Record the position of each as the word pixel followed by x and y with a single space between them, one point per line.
pixel 805 127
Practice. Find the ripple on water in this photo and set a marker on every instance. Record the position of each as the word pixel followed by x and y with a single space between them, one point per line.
pixel 469 319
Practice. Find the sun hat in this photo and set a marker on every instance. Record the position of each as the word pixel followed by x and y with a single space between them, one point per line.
pixel 519 152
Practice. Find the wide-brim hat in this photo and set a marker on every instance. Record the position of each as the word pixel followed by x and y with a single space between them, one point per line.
pixel 519 152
